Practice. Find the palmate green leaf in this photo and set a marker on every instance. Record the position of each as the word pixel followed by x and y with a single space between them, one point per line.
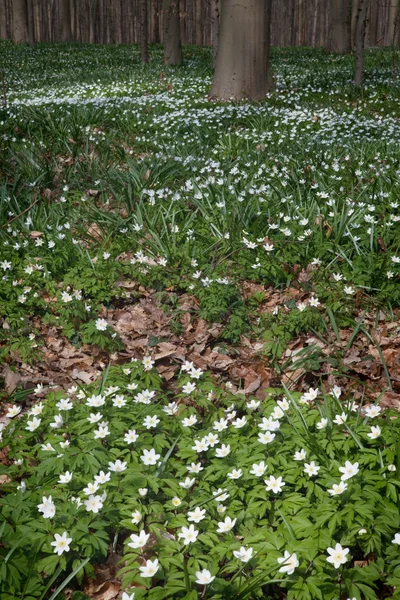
pixel 48 564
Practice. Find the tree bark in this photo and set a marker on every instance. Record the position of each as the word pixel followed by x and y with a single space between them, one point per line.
pixel 373 22
pixel 268 19
pixel 354 13
pixel 315 24
pixel 3 20
pixel 214 29
pixel 64 27
pixel 172 34
pixel 339 34
pixel 199 22
pixel 144 33
pixel 292 17
pixel 31 22
pixel 242 63
pixel 392 21
pixel 20 21
pixel 156 23
pixel 360 41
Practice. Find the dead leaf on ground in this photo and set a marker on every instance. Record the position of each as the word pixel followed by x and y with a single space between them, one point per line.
pixel 200 334
pixel 82 375
pixel 11 379
pixel 104 586
pixel 390 400
pixel 167 349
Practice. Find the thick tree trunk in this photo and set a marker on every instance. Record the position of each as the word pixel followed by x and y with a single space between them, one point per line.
pixel 339 40
pixel 144 33
pixel 242 63
pixel 214 29
pixel 64 28
pixel 360 41
pixel 172 33
pixel 20 21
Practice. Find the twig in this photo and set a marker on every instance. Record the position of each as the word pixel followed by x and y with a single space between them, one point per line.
pixel 4 88
pixel 20 215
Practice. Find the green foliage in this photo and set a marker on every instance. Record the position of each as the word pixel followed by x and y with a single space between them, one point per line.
pixel 140 446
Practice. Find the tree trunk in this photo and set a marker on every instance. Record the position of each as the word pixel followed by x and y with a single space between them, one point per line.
pixel 268 18
pixel 360 41
pixel 31 22
pixel 20 21
pixel 144 33
pixel 172 34
pixel 393 9
pixel 354 13
pixel 292 17
pixel 315 24
pixel 214 29
pixel 242 63
pixel 64 29
pixel 199 22
pixel 373 22
pixel 3 20
pixel 339 40
pixel 156 23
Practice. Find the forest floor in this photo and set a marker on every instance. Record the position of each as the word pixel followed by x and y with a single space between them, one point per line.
pixel 249 250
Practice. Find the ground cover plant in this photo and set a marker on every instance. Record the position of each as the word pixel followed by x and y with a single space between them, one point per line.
pixel 203 491
pixel 272 222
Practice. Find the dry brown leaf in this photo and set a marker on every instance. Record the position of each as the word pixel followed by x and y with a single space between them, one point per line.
pixel 390 400
pixel 167 372
pixel 291 378
pixel 11 379
pixel 4 479
pixel 104 586
pixel 35 234
pixel 82 375
pixel 166 349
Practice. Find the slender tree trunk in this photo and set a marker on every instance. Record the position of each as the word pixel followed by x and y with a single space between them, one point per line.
pixel 156 22
pixel 144 33
pixel 393 10
pixel 354 13
pixel 373 22
pixel 31 22
pixel 64 29
pixel 3 20
pixel 172 34
pixel 360 41
pixel 300 22
pixel 199 22
pixel 183 21
pixel 339 40
pixel 268 19
pixel 292 17
pixel 242 63
pixel 315 24
pixel 214 15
